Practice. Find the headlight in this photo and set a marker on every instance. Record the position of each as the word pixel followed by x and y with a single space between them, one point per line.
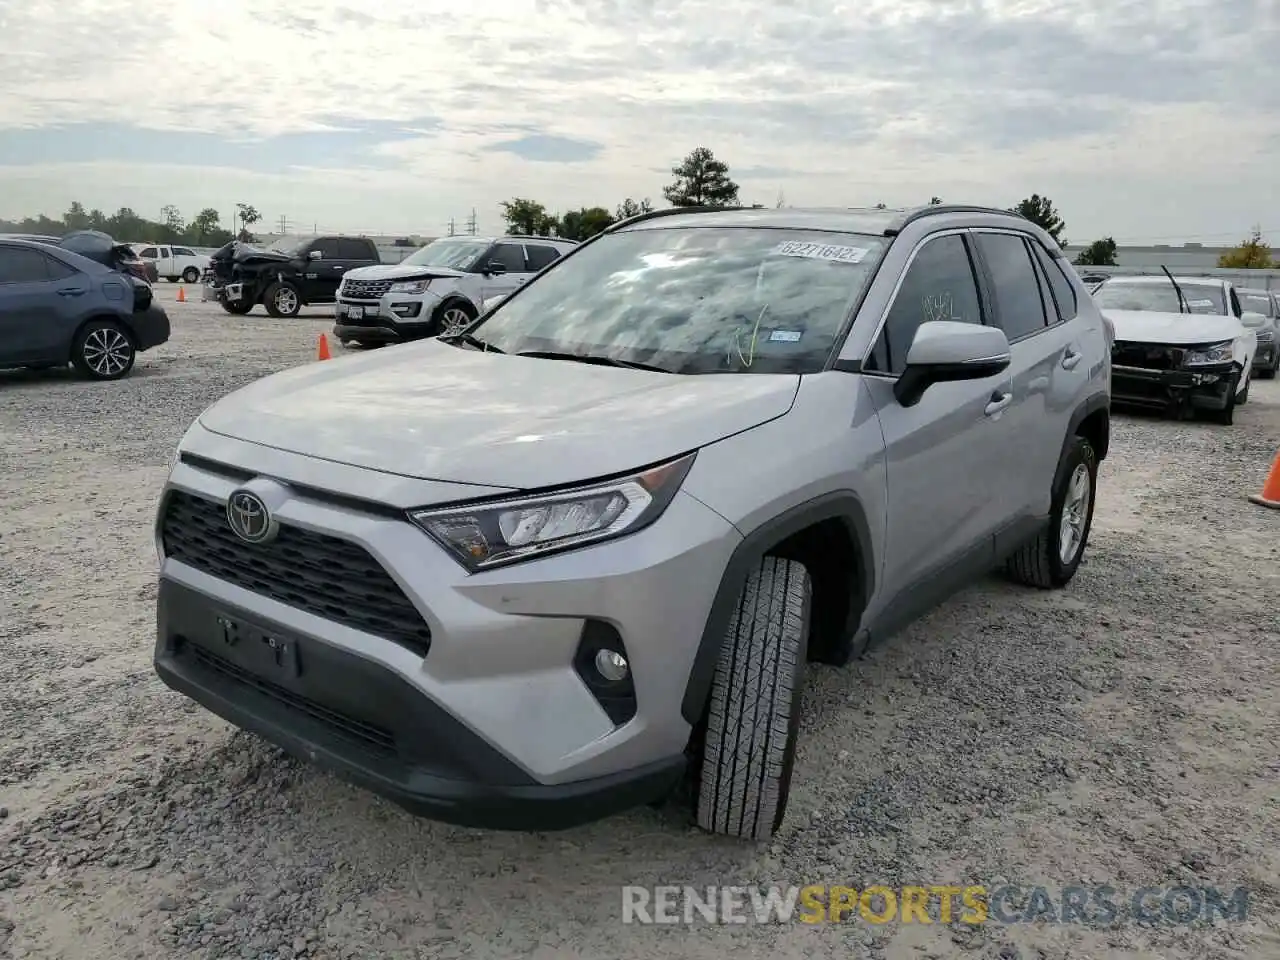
pixel 498 532
pixel 1215 353
pixel 411 286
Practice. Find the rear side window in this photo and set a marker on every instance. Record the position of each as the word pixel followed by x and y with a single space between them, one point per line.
pixel 353 249
pixel 328 247
pixel 19 265
pixel 1014 287
pixel 541 256
pixel 1064 294
pixel 938 285
pixel 58 270
pixel 183 252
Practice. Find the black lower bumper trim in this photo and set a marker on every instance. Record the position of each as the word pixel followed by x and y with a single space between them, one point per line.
pixel 150 327
pixel 369 726
pixel 1202 388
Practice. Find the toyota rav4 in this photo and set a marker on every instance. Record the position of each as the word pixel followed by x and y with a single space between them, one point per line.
pixel 580 554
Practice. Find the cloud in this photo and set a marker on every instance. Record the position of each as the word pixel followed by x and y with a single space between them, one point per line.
pixel 838 103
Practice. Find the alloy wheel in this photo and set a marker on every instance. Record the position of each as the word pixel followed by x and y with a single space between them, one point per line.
pixel 1075 511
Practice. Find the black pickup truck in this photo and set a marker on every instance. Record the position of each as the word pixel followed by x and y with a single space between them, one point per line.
pixel 292 273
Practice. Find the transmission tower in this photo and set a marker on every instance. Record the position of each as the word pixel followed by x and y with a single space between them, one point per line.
pixel 284 224
pixel 471 222
pixel 451 228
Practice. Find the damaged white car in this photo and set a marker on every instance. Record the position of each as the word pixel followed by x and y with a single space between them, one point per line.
pixel 1180 345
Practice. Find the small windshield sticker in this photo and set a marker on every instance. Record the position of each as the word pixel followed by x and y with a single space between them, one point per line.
pixel 820 251
pixel 785 336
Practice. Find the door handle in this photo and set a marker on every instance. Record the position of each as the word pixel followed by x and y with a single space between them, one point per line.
pixel 71 292
pixel 997 403
pixel 339 269
pixel 1070 358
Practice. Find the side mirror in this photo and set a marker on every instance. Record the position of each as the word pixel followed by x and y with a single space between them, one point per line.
pixel 495 268
pixel 1251 319
pixel 948 350
pixel 314 255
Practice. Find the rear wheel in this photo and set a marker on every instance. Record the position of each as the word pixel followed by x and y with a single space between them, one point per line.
pixel 753 718
pixel 191 275
pixel 1052 558
pixel 103 351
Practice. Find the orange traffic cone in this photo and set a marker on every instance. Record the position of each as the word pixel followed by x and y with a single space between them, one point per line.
pixel 1270 496
pixel 323 352
pixel 182 295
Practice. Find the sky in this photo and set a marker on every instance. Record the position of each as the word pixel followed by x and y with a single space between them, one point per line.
pixel 1151 121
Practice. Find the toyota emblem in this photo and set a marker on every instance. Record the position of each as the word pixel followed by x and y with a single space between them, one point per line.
pixel 249 518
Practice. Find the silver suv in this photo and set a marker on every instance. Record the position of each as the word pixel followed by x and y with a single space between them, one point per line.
pixel 579 554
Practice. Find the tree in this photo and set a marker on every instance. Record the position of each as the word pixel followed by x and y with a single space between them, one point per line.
pixel 701 181
pixel 172 220
pixel 1039 210
pixel 528 217
pixel 935 201
pixel 881 206
pixel 248 216
pixel 1100 253
pixel 76 219
pixel 1253 254
pixel 630 208
pixel 206 229
pixel 780 202
pixel 585 223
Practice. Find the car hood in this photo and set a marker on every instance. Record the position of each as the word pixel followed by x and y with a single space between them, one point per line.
pixel 399 271
pixel 1141 326
pixel 433 411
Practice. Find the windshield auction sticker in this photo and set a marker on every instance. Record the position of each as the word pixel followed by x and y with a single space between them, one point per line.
pixel 819 251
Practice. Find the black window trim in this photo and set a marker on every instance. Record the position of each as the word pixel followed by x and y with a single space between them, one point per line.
pixel 524 254
pixel 979 282
pixel 1035 269
pixel 1057 265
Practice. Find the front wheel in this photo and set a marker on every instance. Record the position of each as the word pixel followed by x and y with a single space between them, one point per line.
pixel 282 300
pixel 1052 558
pixel 753 720
pixel 236 309
pixel 1227 415
pixel 103 351
pixel 451 318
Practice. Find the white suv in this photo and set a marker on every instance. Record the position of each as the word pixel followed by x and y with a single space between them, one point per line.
pixel 440 288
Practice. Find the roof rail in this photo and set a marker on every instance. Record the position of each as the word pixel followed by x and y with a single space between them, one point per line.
pixel 533 236
pixel 667 212
pixel 919 213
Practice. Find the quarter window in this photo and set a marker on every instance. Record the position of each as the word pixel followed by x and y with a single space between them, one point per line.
pixel 1064 294
pixel 19 265
pixel 58 270
pixel 1019 309
pixel 938 285
pixel 183 252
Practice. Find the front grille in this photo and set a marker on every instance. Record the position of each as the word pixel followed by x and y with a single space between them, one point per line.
pixel 340 723
pixel 1147 356
pixel 364 289
pixel 322 575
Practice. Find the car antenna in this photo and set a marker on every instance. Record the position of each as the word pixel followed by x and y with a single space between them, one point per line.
pixel 1182 301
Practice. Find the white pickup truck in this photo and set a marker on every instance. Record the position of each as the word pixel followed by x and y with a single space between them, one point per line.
pixel 173 263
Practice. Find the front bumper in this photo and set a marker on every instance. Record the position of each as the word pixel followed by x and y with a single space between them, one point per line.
pixel 395 318
pixel 1202 388
pixel 150 327
pixel 367 724
pixel 496 713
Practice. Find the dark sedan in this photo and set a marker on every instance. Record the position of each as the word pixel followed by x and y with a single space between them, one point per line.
pixel 57 307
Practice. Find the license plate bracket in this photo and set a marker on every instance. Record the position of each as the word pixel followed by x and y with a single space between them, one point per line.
pixel 265 653
pixel 355 313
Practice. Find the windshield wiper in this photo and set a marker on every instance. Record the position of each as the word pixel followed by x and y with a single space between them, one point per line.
pixel 592 358
pixel 471 340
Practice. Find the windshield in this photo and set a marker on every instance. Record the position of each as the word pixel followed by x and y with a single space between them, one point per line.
pixel 694 299
pixel 450 253
pixel 1257 303
pixel 289 245
pixel 1161 297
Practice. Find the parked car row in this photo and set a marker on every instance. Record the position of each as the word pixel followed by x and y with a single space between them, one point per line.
pixel 79 300
pixel 172 262
pixel 292 273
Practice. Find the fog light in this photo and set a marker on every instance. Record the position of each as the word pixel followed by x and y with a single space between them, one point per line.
pixel 611 665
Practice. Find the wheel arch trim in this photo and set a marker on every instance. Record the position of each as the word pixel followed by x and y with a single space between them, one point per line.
pixel 842 505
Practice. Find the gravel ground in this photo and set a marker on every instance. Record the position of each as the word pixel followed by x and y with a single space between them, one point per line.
pixel 1123 731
